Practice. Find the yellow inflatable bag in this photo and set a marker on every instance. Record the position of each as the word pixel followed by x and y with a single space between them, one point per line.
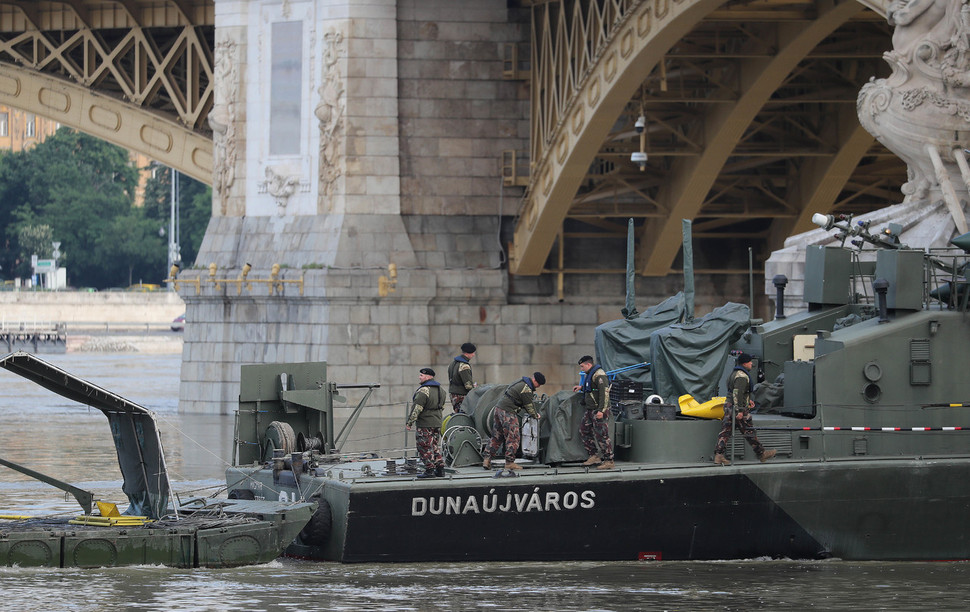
pixel 711 409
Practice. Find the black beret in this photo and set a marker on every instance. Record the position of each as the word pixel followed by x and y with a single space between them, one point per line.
pixel 468 347
pixel 539 378
pixel 744 358
pixel 427 371
pixel 586 359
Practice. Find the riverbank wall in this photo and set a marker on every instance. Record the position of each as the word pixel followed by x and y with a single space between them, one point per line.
pixel 98 321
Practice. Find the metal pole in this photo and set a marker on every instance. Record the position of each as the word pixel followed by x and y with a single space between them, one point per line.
pixel 631 307
pixel 750 283
pixel 688 270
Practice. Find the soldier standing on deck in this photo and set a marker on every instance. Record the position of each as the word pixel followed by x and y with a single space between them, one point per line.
pixel 518 397
pixel 739 396
pixel 460 376
pixel 428 402
pixel 595 428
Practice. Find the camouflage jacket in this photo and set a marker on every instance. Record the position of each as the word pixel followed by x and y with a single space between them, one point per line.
pixel 460 376
pixel 518 397
pixel 596 389
pixel 428 402
pixel 739 389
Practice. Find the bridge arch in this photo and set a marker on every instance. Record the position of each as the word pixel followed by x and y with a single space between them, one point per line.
pixel 568 141
pixel 115 121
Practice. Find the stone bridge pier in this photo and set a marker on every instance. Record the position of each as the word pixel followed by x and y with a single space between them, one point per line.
pixel 354 140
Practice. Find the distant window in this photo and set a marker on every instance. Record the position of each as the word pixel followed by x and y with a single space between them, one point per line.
pixel 31 128
pixel 4 124
pixel 286 81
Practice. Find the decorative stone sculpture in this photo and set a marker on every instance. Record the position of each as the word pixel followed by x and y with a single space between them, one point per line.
pixel 281 186
pixel 330 113
pixel 223 120
pixel 922 111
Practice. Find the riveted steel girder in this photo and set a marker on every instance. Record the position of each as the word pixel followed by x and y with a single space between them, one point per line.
pixel 134 72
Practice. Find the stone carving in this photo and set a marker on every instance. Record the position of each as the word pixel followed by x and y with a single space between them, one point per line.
pixel 921 112
pixel 223 119
pixel 330 112
pixel 281 186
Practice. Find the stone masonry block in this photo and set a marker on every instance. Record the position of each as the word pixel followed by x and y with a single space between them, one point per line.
pixel 517 314
pixel 439 334
pixel 390 335
pixel 377 355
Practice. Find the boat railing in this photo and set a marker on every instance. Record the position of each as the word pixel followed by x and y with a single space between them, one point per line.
pixel 945 284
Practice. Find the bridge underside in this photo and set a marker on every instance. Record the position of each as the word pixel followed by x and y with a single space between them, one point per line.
pixel 137 73
pixel 748 120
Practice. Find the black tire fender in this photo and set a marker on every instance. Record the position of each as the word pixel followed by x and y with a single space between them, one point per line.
pixel 317 531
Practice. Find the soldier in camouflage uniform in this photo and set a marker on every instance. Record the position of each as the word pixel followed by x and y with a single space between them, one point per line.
pixel 428 400
pixel 739 396
pixel 518 397
pixel 595 426
pixel 460 376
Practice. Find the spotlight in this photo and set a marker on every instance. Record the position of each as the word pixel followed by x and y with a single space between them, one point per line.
pixel 639 158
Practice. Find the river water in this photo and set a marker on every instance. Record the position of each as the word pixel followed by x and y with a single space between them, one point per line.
pixel 56 436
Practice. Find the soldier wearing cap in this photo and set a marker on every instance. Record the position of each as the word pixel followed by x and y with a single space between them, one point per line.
pixel 518 397
pixel 460 380
pixel 594 429
pixel 739 397
pixel 428 401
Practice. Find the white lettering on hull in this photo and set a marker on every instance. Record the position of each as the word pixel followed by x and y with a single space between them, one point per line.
pixel 492 502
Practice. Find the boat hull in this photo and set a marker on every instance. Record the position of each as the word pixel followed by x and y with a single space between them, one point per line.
pixel 872 509
pixel 268 530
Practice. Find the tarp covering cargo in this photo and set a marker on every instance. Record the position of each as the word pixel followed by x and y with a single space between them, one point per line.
pixel 559 428
pixel 133 429
pixel 626 342
pixel 690 357
pixel 559 439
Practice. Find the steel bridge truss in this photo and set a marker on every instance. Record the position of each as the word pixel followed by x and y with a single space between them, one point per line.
pixel 156 55
pixel 746 121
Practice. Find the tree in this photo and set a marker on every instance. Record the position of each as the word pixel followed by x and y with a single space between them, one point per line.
pixel 33 240
pixel 83 189
pixel 138 252
pixel 195 206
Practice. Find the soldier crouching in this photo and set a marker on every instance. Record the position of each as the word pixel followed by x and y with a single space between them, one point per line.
pixel 517 397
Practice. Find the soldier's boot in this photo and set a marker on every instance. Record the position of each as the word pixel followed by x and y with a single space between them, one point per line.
pixel 768 454
pixel 593 460
pixel 512 465
pixel 487 463
pixel 720 459
pixel 427 474
pixel 606 465
pixel 439 471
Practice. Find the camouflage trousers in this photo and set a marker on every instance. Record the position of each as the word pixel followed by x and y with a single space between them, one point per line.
pixel 456 401
pixel 505 430
pixel 596 435
pixel 744 426
pixel 429 446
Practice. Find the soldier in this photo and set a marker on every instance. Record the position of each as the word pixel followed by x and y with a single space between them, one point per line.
pixel 428 402
pixel 460 376
pixel 518 397
pixel 594 428
pixel 739 396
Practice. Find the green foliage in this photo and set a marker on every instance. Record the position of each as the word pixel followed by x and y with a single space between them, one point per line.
pixel 33 240
pixel 195 208
pixel 82 189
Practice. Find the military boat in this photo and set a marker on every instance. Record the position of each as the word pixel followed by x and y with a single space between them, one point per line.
pixel 865 397
pixel 196 533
